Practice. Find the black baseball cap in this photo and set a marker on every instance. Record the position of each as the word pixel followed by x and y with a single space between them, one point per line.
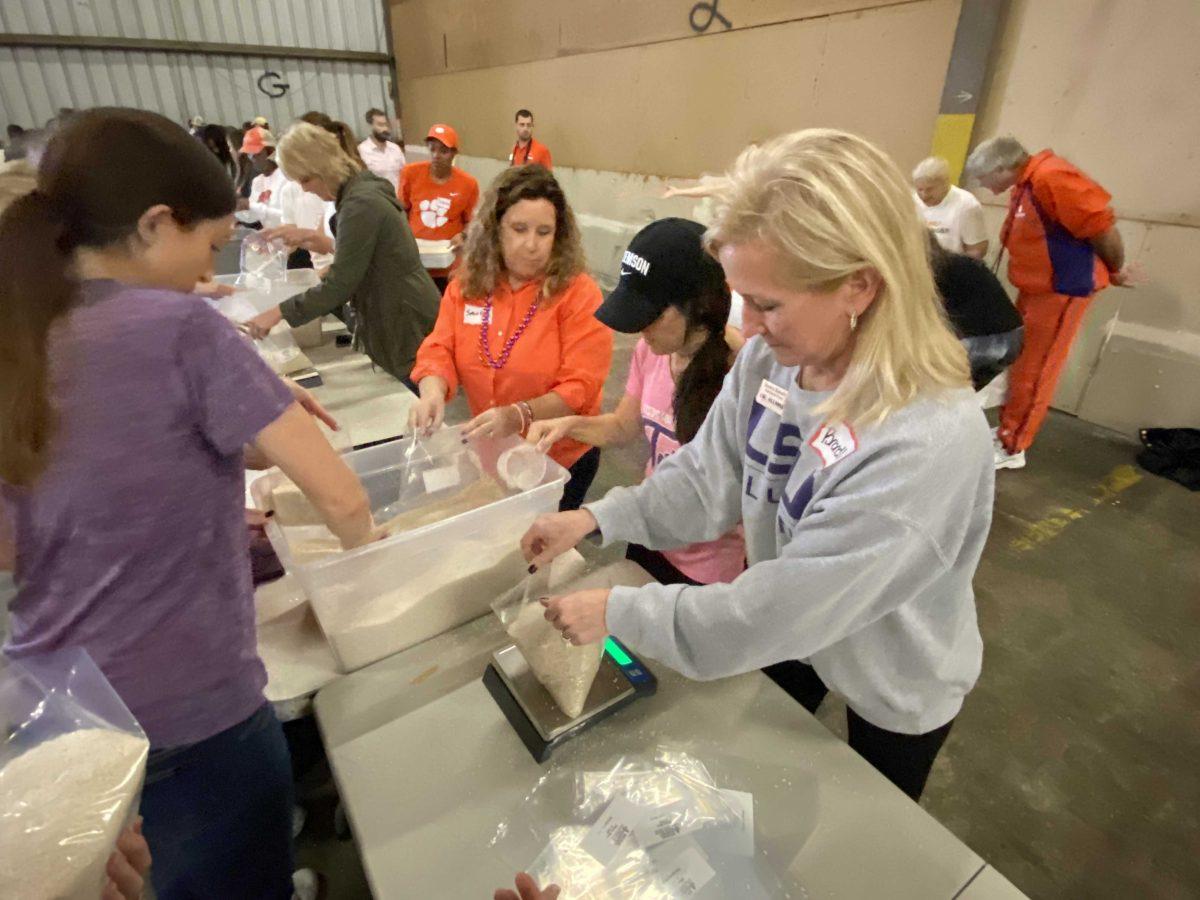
pixel 665 262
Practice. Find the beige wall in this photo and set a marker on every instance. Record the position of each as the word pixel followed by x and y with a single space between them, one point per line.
pixel 1112 85
pixel 623 85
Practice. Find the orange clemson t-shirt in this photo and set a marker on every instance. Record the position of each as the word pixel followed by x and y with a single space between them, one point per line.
pixel 437 212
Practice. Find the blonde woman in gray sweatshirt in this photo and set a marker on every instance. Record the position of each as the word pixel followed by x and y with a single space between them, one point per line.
pixel 847 440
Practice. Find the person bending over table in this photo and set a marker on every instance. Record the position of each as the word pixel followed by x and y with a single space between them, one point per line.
pixel 517 326
pixel 848 441
pixel 673 293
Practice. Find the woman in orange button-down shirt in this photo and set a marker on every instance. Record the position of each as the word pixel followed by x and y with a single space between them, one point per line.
pixel 517 327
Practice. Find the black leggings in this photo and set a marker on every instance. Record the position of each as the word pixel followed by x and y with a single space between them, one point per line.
pixel 904 759
pixel 660 568
pixel 582 474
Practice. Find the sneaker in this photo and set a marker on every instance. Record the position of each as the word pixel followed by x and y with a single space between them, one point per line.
pixel 1006 460
pixel 307 884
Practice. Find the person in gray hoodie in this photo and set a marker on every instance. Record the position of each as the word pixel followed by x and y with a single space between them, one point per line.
pixel 847 440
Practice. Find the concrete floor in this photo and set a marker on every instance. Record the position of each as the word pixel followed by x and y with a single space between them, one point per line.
pixel 1073 768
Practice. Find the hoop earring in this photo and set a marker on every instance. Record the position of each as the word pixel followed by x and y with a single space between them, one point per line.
pixel 853 321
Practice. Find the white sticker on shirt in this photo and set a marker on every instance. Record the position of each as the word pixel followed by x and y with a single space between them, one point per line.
pixel 472 315
pixel 612 831
pixel 440 479
pixel 833 443
pixel 772 396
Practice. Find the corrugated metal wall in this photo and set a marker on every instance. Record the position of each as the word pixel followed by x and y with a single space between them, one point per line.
pixel 36 82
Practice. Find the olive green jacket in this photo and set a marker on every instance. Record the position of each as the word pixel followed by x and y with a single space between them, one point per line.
pixel 377 269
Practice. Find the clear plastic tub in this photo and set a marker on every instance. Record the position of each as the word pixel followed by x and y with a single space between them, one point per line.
pixel 377 600
pixel 435 254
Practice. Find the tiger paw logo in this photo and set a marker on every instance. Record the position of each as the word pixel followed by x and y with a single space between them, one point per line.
pixel 433 212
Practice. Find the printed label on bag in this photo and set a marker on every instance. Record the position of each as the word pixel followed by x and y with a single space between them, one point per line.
pixel 472 315
pixel 663 823
pixel 440 479
pixel 688 873
pixel 612 832
pixel 738 839
pixel 833 443
pixel 772 396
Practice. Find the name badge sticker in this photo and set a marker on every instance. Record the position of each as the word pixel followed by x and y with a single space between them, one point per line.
pixel 472 315
pixel 772 396
pixel 833 443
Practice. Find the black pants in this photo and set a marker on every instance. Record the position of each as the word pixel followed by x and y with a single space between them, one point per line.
pixel 904 759
pixel 440 282
pixel 659 567
pixel 582 475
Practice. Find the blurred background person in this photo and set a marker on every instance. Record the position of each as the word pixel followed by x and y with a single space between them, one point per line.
pixel 379 152
pixel 953 215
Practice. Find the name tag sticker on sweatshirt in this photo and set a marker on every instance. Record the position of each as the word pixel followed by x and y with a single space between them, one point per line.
pixel 833 443
pixel 472 315
pixel 772 396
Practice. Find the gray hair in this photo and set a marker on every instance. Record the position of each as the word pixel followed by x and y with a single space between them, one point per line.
pixel 933 168
pixel 995 154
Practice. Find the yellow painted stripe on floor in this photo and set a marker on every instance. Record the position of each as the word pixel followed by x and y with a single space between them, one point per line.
pixel 952 138
pixel 1049 527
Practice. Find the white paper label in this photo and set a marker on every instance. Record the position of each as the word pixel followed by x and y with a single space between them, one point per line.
pixel 662 823
pixel 612 832
pixel 472 315
pixel 738 839
pixel 833 443
pixel 687 874
pixel 772 396
pixel 440 479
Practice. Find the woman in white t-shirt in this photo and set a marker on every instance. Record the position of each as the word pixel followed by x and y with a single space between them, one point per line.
pixel 953 215
pixel 675 295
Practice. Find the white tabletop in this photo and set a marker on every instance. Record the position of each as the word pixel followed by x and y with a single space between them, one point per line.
pixel 368 402
pixel 990 885
pixel 428 766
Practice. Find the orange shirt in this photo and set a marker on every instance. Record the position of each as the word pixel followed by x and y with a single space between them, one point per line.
pixel 437 212
pixel 1067 196
pixel 536 152
pixel 565 349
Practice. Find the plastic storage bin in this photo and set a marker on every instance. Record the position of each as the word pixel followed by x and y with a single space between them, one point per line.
pixel 377 600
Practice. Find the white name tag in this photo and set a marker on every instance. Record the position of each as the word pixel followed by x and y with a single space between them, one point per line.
pixel 772 396
pixel 833 443
pixel 472 315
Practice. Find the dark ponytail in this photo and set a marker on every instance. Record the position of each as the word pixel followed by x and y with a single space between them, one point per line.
pixel 701 381
pixel 101 171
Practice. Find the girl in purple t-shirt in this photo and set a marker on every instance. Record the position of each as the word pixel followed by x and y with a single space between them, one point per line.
pixel 675 295
pixel 127 410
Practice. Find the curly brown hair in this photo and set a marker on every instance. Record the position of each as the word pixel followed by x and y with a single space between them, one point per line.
pixel 483 262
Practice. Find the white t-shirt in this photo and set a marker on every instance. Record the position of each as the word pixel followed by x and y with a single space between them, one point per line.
pixel 385 161
pixel 956 221
pixel 307 211
pixel 266 198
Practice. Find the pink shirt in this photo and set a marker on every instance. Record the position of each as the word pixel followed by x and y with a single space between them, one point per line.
pixel 651 384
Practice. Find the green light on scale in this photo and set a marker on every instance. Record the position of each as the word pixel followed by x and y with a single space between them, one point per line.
pixel 622 658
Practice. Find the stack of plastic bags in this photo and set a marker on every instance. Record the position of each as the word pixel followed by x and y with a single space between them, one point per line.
pixel 645 829
pixel 71 768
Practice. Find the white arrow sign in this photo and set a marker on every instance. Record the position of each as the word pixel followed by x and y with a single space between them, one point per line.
pixel 963 96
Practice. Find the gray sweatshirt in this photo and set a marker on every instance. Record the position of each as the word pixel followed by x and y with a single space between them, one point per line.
pixel 861 545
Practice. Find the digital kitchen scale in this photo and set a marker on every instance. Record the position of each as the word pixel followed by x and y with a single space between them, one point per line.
pixel 534 715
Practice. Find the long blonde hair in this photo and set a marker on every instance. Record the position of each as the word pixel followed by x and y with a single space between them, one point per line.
pixel 308 151
pixel 831 204
pixel 483 261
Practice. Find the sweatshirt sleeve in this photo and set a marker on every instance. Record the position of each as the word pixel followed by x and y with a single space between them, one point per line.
pixel 885 533
pixel 693 495
pixel 358 229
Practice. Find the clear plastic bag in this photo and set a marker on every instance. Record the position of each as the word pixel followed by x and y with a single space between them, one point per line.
pixel 72 763
pixel 565 671
pixel 646 828
pixel 263 261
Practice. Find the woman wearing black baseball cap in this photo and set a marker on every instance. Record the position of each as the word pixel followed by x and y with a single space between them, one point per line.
pixel 674 294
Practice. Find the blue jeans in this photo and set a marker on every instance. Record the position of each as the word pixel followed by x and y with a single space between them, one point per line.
pixel 219 815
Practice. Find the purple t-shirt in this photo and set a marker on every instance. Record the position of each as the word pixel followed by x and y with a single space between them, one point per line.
pixel 132 544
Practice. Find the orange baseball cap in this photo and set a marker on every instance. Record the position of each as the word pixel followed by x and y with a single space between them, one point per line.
pixel 445 134
pixel 256 140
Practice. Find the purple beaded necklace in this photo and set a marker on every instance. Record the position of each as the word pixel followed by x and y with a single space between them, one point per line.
pixel 485 349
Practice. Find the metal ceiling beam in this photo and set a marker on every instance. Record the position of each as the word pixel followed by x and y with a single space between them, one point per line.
pixel 202 47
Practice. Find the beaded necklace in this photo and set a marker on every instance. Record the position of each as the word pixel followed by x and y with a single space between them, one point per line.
pixel 485 349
